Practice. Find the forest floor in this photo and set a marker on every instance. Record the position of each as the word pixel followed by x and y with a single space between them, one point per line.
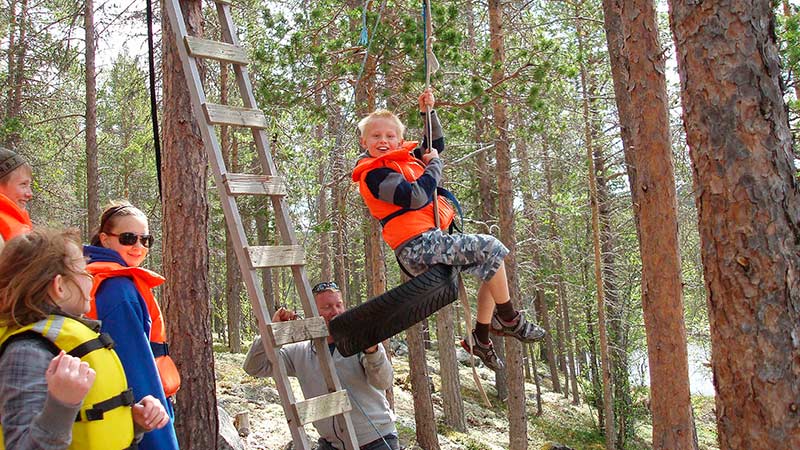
pixel 560 422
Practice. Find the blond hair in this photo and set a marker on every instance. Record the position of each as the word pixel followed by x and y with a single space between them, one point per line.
pixel 381 114
pixel 28 264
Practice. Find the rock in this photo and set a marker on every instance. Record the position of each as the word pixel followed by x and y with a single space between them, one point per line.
pixel 555 446
pixel 399 348
pixel 463 358
pixel 228 438
pixel 242 423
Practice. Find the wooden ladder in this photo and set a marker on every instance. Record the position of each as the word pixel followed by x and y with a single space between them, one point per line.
pixel 251 258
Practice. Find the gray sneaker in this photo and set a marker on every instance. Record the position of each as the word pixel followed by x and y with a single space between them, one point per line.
pixel 485 352
pixel 520 328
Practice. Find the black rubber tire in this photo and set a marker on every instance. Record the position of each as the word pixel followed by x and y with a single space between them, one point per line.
pixel 394 311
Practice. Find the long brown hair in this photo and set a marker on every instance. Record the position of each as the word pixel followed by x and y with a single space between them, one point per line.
pixel 111 215
pixel 28 264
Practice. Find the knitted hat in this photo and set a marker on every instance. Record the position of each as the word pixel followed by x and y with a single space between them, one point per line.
pixel 9 161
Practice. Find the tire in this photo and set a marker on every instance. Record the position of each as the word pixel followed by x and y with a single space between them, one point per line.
pixel 394 311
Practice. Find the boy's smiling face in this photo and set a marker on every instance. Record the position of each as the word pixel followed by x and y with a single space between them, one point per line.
pixel 381 135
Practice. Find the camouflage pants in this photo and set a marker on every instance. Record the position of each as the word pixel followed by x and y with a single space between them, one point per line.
pixel 478 254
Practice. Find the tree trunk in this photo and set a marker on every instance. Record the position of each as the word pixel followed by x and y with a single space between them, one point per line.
pixel 262 236
pixel 518 425
pixel 452 404
pixel 593 368
pixel 339 170
pixel 16 67
pixel 748 206
pixel 558 262
pixel 92 178
pixel 548 340
pixel 537 294
pixel 636 54
pixel 608 402
pixel 185 228
pixel 233 276
pixel 324 250
pixel 532 356
pixel 12 48
pixel 421 389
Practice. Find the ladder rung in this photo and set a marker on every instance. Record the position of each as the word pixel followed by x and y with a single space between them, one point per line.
pixel 321 407
pixel 220 51
pixel 232 115
pixel 297 330
pixel 223 2
pixel 245 183
pixel 276 256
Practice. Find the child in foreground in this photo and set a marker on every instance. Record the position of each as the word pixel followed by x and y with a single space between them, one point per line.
pixel 397 180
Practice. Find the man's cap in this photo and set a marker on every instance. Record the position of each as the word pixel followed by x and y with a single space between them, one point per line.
pixel 9 161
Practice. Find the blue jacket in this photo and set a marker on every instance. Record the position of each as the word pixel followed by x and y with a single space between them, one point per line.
pixel 123 314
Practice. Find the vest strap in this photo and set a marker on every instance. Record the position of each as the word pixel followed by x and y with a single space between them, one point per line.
pixel 102 341
pixel 30 335
pixel 99 409
pixel 439 190
pixel 159 349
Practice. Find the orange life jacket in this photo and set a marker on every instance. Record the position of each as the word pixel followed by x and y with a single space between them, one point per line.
pixel 144 280
pixel 13 219
pixel 410 223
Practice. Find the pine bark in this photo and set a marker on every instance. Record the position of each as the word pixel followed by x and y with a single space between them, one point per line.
pixel 424 418
pixel 518 425
pixel 636 54
pixel 92 178
pixel 185 227
pixel 608 402
pixel 452 403
pixel 748 204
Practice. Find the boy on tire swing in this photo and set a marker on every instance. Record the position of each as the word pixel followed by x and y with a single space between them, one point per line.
pixel 397 180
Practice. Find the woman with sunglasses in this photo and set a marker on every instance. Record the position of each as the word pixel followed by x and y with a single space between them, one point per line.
pixel 61 383
pixel 122 299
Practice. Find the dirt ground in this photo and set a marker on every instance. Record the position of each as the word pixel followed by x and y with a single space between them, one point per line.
pixel 487 428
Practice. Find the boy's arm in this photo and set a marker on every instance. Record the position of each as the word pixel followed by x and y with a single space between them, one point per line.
pixel 389 186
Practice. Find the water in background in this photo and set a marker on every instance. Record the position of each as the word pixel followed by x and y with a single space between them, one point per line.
pixel 700 378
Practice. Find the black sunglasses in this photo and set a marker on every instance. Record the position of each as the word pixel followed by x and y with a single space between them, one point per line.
pixel 128 238
pixel 324 286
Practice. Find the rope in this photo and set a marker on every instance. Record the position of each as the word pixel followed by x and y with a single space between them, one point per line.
pixel 364 38
pixel 462 295
pixel 427 33
pixel 153 104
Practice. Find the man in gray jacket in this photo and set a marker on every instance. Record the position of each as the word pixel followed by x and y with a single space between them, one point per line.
pixel 365 376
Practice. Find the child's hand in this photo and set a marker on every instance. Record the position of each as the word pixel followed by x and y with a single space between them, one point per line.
pixel 426 100
pixel 427 157
pixel 283 315
pixel 68 378
pixel 150 414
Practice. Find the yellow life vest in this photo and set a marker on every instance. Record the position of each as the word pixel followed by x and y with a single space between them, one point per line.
pixel 105 420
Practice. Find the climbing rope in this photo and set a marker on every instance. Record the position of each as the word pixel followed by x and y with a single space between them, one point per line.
pixel 153 102
pixel 364 39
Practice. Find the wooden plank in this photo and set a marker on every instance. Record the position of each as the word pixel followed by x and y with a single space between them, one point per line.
pixel 220 51
pixel 298 330
pixel 223 2
pixel 232 115
pixel 276 256
pixel 245 183
pixel 321 407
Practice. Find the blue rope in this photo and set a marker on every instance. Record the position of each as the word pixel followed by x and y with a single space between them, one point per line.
pixel 365 37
